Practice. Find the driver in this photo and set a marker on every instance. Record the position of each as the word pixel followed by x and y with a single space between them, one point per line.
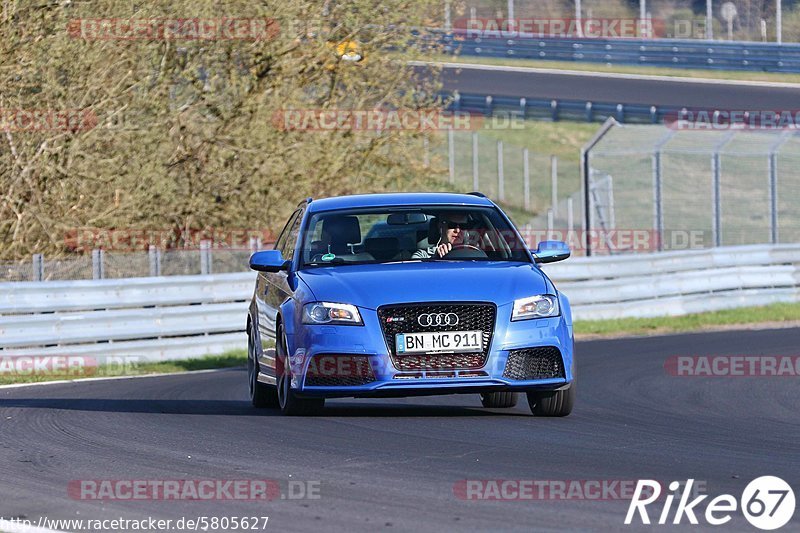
pixel 451 230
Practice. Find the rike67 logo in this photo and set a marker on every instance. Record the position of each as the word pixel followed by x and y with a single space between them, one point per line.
pixel 767 503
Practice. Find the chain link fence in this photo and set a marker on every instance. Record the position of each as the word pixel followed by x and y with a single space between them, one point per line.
pixel 722 188
pixel 102 264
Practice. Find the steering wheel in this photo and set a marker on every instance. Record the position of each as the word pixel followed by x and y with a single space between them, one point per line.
pixel 468 246
pixel 466 251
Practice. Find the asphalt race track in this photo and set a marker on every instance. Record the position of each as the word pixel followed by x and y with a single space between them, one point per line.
pixel 393 464
pixel 678 93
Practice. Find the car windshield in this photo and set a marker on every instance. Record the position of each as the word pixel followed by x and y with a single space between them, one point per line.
pixel 394 234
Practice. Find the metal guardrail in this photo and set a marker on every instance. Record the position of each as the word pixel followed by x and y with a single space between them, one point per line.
pixel 556 109
pixel 676 53
pixel 679 283
pixel 187 316
pixel 160 318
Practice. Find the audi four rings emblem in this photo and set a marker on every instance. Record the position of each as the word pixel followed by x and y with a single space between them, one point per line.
pixel 437 319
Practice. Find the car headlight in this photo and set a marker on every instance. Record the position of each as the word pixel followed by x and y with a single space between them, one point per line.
pixel 330 313
pixel 540 306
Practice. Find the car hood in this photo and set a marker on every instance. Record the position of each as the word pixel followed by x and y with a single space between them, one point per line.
pixel 371 286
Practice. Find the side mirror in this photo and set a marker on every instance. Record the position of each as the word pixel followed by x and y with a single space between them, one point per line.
pixel 551 251
pixel 269 261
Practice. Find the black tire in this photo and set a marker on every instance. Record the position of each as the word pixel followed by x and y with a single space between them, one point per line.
pixel 552 403
pixel 497 400
pixel 288 401
pixel 261 394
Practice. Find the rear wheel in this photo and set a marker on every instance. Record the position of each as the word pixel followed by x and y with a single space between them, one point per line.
pixel 552 403
pixel 288 401
pixel 499 399
pixel 261 394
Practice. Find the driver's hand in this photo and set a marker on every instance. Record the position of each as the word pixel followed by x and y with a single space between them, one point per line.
pixel 443 249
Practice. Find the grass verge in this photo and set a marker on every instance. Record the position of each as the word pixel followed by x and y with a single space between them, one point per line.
pixel 733 75
pixel 776 315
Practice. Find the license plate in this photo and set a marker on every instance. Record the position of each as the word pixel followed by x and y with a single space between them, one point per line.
pixel 445 341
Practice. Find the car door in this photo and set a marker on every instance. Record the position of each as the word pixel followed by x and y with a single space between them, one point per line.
pixel 273 289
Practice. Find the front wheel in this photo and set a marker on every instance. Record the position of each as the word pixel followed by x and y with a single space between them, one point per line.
pixel 288 401
pixel 499 399
pixel 261 394
pixel 552 403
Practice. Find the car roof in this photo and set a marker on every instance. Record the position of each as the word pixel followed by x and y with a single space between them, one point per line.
pixel 397 200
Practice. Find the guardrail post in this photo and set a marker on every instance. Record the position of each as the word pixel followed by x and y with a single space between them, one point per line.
pixel 475 180
pixel 589 112
pixel 554 110
pixel 98 270
pixel 554 184
pixel 205 257
pixel 456 101
pixel 488 107
pixel 620 116
pixel 501 179
pixel 653 114
pixel 38 267
pixel 451 154
pixel 526 180
pixel 154 256
pixel 523 103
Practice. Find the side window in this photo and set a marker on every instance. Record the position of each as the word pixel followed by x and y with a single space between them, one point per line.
pixel 280 244
pixel 291 241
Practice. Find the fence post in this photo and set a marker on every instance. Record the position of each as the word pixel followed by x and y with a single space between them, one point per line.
pixel 154 255
pixel 550 224
pixel 658 214
pixel 205 257
pixel 554 184
pixel 451 154
pixel 773 197
pixel 38 267
pixel 526 180
pixel 570 215
pixel 716 223
pixel 98 258
pixel 475 180
pixel 501 179
pixel 255 244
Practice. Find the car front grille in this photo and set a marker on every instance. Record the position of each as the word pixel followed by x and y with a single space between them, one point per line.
pixel 396 319
pixel 327 370
pixel 534 363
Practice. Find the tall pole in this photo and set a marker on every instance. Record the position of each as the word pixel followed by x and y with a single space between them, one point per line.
pixel 709 21
pixel 578 21
pixel 642 17
pixel 779 21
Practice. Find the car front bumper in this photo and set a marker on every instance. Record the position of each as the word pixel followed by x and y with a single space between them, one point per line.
pixel 346 361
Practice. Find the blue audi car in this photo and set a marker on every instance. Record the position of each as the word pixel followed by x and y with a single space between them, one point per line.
pixel 392 295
